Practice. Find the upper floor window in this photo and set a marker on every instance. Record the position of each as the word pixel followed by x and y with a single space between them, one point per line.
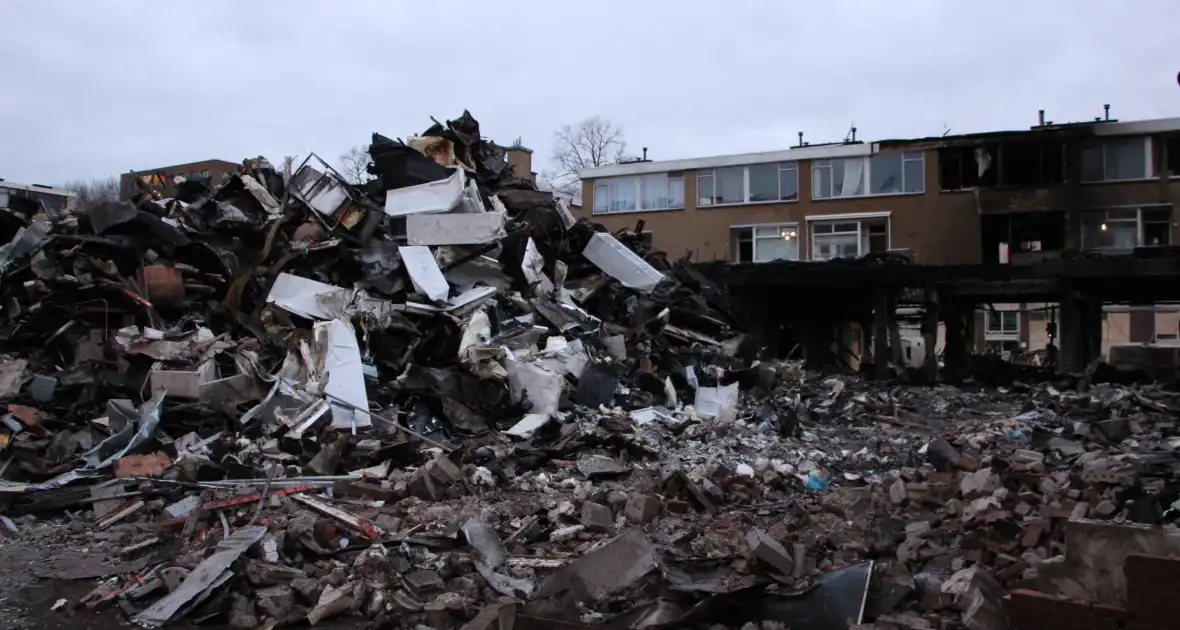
pixel 634 193
pixel 1116 159
pixel 881 174
pixel 757 183
pixel 1126 228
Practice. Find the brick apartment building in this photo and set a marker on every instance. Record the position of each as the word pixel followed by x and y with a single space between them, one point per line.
pixel 163 179
pixel 1008 197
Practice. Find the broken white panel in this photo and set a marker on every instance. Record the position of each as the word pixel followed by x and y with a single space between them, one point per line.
pixel 459 306
pixel 718 402
pixel 479 270
pixel 497 205
pixel 438 196
pixel 533 266
pixel 543 386
pixel 528 424
pixel 321 192
pixel 184 384
pixel 621 263
pixel 563 211
pixel 341 359
pixel 650 414
pixel 472 201
pixel 261 195
pixel 455 229
pixel 424 272
pixel 300 296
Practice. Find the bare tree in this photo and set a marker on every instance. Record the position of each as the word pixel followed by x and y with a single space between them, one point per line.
pixel 94 191
pixel 354 165
pixel 591 143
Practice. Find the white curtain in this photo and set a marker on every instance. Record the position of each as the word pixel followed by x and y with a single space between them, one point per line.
pixel 854 177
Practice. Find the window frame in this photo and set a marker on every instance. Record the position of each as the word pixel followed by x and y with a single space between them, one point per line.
pixel 711 175
pixel 1002 332
pixel 867 175
pixel 1103 144
pixel 753 238
pixel 862 233
pixel 1138 220
pixel 670 177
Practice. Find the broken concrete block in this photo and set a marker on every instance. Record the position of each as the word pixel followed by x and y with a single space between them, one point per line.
pixel 485 542
pixel 597 517
pixel 424 581
pixel 897 491
pixel 641 508
pixel 770 551
pixel 611 568
pixel 566 533
pixel 307 589
pixel 333 601
pixel 275 601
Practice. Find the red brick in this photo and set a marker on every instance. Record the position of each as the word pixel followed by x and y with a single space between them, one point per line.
pixel 1152 584
pixel 1030 610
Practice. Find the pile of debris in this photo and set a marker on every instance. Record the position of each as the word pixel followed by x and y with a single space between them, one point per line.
pixel 437 400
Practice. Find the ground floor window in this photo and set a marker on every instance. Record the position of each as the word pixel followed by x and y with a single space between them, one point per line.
pixel 839 238
pixel 764 243
pixel 1001 324
pixel 1127 228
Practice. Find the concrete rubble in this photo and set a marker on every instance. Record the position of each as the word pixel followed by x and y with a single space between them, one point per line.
pixel 437 400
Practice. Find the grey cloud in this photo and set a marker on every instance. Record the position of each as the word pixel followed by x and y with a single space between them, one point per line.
pixel 94 88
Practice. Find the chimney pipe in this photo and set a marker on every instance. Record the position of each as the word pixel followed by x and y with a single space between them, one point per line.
pixel 800 138
pixel 1041 117
pixel 644 154
pixel 854 134
pixel 1106 110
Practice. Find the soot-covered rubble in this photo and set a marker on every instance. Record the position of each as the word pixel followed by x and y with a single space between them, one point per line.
pixel 437 400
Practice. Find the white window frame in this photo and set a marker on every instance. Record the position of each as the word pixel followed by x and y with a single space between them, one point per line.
pixel 1137 220
pixel 1002 333
pixel 771 231
pixel 867 175
pixel 636 180
pixel 711 175
pixel 1148 166
pixel 861 232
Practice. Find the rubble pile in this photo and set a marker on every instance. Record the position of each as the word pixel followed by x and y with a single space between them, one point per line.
pixel 437 400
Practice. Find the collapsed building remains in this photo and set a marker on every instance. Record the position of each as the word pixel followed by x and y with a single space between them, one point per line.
pixel 438 400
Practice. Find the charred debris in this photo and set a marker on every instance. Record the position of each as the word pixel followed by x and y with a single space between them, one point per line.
pixel 438 400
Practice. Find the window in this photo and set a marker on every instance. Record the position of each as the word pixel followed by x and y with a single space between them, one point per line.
pixel 894 173
pixel 1127 228
pixel 885 174
pixel 1172 154
pixel 765 243
pixel 848 238
pixel 960 168
pixel 758 183
pixel 661 191
pixel 657 191
pixel 1116 159
pixel 1002 323
pixel 1031 163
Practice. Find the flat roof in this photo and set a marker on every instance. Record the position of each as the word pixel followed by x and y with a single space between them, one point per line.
pixel 4 183
pixel 187 165
pixel 843 150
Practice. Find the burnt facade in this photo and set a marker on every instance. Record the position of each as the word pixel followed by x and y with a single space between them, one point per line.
pixel 162 180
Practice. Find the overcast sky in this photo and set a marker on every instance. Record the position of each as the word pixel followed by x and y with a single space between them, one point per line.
pixel 95 88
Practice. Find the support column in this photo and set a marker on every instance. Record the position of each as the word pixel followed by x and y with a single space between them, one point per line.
pixel 1092 330
pixel 957 341
pixel 881 333
pixel 930 337
pixel 1072 339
